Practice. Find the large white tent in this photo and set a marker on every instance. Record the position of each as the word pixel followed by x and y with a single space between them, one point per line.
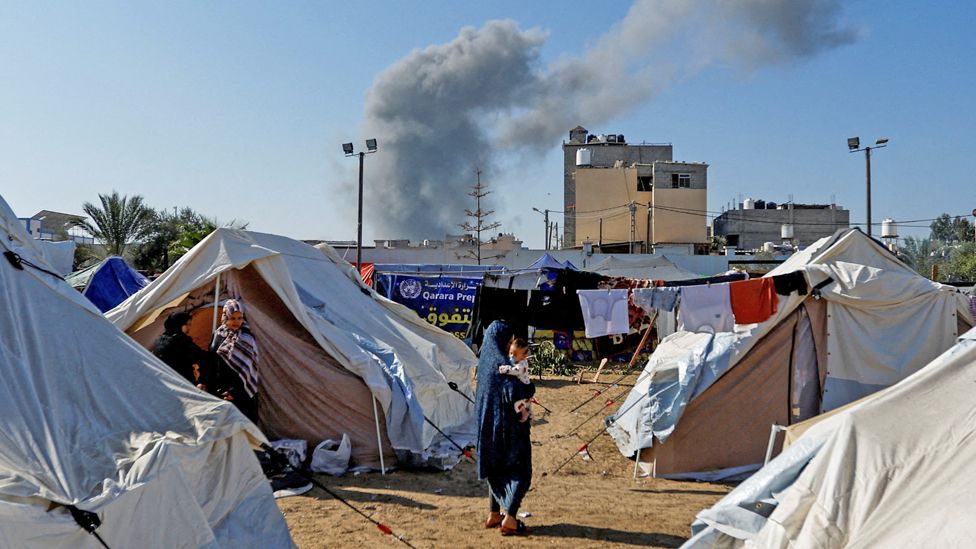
pixel 897 469
pixel 705 402
pixel 92 420
pixel 345 343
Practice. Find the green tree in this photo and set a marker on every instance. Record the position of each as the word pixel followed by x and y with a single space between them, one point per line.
pixel 118 222
pixel 171 235
pixel 961 266
pixel 917 252
pixel 942 228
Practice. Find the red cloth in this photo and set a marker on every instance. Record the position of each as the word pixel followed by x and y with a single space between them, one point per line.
pixel 753 300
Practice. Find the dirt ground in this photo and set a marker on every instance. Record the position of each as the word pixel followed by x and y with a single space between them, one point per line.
pixel 586 504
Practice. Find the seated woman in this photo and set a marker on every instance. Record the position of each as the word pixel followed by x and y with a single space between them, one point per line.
pixel 177 349
pixel 237 351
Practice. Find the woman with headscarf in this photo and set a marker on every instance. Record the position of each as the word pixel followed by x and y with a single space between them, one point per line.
pixel 177 349
pixel 237 351
pixel 504 447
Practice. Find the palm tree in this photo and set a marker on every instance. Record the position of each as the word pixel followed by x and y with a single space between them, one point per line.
pixel 118 222
pixel 918 252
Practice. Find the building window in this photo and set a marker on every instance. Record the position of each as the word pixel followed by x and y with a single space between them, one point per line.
pixel 680 180
pixel 644 183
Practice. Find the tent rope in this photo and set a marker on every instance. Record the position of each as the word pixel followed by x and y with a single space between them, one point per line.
pixel 88 521
pixel 282 461
pixel 18 262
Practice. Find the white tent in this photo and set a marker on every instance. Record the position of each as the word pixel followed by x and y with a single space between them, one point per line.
pixel 91 419
pixel 649 267
pixel 381 347
pixel 875 323
pixel 897 469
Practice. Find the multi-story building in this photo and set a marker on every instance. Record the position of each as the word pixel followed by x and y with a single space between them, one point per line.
pixel 624 197
pixel 756 222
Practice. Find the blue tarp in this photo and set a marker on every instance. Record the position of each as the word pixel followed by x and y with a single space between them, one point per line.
pixel 546 262
pixel 112 283
pixel 442 300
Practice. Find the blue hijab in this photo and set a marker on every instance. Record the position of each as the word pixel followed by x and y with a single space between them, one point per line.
pixel 504 447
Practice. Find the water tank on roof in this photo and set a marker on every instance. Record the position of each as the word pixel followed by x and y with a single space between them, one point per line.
pixel 760 204
pixel 590 138
pixel 748 204
pixel 612 138
pixel 583 157
pixel 769 247
pixel 602 138
pixel 889 229
pixel 620 138
pixel 786 231
pixel 770 205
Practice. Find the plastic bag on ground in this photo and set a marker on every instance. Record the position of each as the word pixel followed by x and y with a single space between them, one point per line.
pixel 332 456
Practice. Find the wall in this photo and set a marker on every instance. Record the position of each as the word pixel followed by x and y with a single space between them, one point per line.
pixel 600 194
pixel 754 227
pixel 602 155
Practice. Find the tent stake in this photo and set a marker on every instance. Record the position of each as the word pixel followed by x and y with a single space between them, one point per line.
pixel 640 429
pixel 379 441
pixel 213 327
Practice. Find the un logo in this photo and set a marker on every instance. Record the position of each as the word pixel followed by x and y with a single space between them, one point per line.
pixel 410 288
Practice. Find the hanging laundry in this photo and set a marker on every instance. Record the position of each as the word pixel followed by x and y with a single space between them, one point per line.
pixel 497 303
pixel 706 309
pixel 753 301
pixel 604 312
pixel 662 299
pixel 636 315
pixel 554 310
pixel 790 282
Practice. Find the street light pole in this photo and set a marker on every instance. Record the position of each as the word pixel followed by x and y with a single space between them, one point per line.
pixel 359 223
pixel 348 149
pixel 854 145
pixel 546 232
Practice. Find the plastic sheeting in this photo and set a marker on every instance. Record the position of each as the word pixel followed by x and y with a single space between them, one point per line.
pixel 896 469
pixel 887 322
pixel 405 362
pixel 93 420
pixel 108 283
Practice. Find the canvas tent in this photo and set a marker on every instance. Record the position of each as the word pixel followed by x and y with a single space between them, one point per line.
pixel 898 469
pixel 108 282
pixel 329 344
pixel 91 419
pixel 649 267
pixel 705 402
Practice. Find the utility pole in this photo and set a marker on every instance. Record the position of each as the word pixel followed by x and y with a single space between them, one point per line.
pixel 478 192
pixel 854 145
pixel 548 234
pixel 633 224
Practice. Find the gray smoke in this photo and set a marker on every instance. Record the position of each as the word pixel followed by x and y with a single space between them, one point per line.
pixel 442 111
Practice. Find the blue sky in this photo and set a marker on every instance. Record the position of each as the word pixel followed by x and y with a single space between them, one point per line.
pixel 239 109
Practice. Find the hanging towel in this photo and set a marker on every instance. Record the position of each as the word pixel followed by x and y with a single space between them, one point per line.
pixel 787 283
pixel 706 309
pixel 753 300
pixel 662 299
pixel 604 312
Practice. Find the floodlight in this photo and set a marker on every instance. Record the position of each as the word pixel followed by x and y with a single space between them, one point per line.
pixel 347 148
pixel 853 143
pixel 881 141
pixel 371 144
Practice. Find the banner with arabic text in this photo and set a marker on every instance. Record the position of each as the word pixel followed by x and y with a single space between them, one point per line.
pixel 444 301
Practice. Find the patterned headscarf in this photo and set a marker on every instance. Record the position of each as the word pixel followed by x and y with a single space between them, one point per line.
pixel 239 348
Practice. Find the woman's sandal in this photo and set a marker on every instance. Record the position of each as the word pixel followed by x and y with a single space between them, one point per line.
pixel 520 530
pixel 489 525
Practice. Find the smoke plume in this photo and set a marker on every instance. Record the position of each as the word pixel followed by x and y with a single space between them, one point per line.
pixel 444 110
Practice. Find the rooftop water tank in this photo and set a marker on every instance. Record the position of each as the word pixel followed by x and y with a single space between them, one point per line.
pixel 583 157
pixel 769 247
pixel 786 231
pixel 889 229
pixel 748 204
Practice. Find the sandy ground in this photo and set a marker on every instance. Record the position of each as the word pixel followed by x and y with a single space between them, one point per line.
pixel 587 504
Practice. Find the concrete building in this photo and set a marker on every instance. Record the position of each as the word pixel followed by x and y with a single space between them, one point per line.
pixel 51 225
pixel 756 222
pixel 604 151
pixel 603 179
